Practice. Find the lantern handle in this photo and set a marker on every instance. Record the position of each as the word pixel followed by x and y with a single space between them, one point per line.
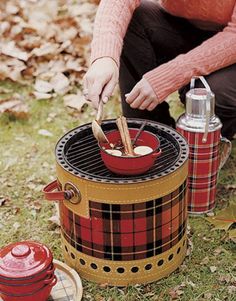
pixel 208 103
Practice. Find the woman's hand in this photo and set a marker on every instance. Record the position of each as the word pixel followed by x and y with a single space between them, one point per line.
pixel 100 80
pixel 142 96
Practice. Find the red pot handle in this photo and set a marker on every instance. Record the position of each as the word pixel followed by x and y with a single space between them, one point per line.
pixel 49 280
pixel 52 195
pixel 54 281
pixel 157 154
pixel 49 272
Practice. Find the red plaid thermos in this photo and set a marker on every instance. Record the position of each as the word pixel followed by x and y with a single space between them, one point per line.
pixel 201 128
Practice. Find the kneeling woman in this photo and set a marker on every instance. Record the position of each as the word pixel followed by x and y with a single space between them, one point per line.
pixel 156 47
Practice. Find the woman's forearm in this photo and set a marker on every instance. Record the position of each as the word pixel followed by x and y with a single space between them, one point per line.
pixel 112 19
pixel 214 54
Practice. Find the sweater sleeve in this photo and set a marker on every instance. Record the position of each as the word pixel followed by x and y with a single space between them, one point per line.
pixel 111 22
pixel 215 53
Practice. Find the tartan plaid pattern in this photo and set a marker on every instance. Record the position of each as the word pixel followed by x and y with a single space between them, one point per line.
pixel 203 170
pixel 129 231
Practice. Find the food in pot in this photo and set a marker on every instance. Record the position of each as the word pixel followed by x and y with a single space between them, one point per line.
pixel 125 136
pixel 142 150
pixel 114 152
pixel 138 151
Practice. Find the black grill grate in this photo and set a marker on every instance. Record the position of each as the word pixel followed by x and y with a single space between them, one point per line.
pixel 78 152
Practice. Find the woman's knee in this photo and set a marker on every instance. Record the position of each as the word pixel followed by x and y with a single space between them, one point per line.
pixel 144 17
pixel 222 83
pixel 145 10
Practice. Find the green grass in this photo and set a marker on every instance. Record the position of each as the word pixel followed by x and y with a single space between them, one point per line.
pixel 27 164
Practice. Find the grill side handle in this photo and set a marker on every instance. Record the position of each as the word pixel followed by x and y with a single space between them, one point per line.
pixel 52 192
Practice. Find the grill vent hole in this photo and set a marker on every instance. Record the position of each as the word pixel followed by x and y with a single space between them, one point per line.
pixel 94 266
pixel 148 267
pixel 170 257
pixel 72 255
pixel 178 250
pixel 106 269
pixel 160 262
pixel 82 261
pixel 120 270
pixel 66 249
pixel 134 269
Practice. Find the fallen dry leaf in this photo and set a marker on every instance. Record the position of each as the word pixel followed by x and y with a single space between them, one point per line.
pixel 225 279
pixel 42 86
pixel 16 226
pixel 3 201
pixel 37 206
pixel 175 293
pixel 14 107
pixel 11 68
pixel 210 214
pixel 231 289
pixel 230 186
pixel 74 64
pixel 207 296
pixel 50 118
pixel 190 247
pixel 60 83
pixel 15 210
pixel 55 220
pixel 213 269
pixel 218 251
pixel 189 282
pixel 57 66
pixel 10 49
pixel 46 49
pixel 75 101
pixel 225 218
pixel 45 133
pixel 47 42
pixel 40 95
pixel 11 8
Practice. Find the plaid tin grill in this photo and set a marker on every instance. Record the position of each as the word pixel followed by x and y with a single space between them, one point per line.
pixel 203 170
pixel 129 231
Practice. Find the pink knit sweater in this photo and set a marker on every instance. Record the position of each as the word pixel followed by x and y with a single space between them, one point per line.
pixel 112 20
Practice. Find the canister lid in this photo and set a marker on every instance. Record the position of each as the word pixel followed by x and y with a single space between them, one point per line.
pixel 24 259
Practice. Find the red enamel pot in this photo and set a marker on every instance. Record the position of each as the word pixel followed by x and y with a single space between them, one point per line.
pixel 26 287
pixel 41 294
pixel 44 275
pixel 26 269
pixel 25 261
pixel 124 165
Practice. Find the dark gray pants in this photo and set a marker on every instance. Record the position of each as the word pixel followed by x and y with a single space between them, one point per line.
pixel 154 37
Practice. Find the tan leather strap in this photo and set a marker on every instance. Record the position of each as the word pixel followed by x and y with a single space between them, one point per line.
pixel 51 195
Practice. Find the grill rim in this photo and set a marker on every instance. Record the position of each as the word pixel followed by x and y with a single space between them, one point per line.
pixel 62 146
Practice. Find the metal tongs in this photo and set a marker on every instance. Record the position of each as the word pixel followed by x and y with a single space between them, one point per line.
pixel 96 124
